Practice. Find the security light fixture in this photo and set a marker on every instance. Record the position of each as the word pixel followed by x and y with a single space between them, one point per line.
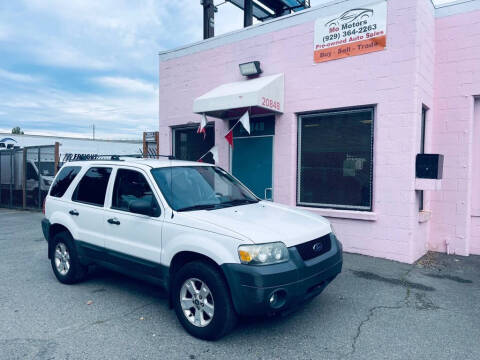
pixel 251 68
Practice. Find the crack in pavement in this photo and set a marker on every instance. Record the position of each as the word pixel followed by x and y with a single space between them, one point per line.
pixel 425 305
pixel 363 322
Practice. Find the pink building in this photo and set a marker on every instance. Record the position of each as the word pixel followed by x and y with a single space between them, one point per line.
pixel 337 120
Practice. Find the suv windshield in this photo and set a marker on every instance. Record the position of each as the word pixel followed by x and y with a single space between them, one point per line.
pixel 200 188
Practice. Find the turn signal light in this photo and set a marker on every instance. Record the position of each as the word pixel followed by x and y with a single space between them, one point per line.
pixel 244 256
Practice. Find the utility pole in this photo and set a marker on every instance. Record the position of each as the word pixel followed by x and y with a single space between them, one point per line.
pixel 209 10
pixel 93 130
pixel 248 13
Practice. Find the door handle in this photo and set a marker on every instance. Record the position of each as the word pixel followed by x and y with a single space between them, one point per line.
pixel 74 212
pixel 113 221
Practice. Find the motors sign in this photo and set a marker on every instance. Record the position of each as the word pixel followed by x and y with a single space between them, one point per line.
pixel 353 32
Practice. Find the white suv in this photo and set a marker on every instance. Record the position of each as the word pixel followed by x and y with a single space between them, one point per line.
pixel 218 250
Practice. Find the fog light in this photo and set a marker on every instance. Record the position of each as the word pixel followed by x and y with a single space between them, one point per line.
pixel 277 299
pixel 273 298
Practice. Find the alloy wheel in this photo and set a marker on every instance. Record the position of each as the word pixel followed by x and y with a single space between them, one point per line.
pixel 196 301
pixel 62 259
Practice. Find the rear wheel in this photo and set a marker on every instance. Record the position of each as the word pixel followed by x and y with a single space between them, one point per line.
pixel 64 259
pixel 202 301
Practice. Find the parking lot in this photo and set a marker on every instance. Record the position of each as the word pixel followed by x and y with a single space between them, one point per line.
pixel 376 309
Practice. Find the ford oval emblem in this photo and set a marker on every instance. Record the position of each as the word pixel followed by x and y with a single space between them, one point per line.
pixel 317 247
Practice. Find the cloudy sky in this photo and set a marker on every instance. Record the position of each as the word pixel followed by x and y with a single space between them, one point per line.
pixel 66 65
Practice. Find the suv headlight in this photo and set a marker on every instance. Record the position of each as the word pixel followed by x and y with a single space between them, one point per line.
pixel 263 254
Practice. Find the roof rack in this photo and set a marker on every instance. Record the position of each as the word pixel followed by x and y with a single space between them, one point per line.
pixel 112 157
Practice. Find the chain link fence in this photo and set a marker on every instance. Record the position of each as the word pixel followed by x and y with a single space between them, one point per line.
pixel 26 175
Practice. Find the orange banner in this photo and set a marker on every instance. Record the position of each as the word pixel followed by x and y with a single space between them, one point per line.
pixel 350 49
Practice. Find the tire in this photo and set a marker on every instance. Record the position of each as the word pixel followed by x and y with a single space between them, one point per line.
pixel 224 317
pixel 64 259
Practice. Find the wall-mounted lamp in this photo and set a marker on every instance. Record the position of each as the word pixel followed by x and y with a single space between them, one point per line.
pixel 251 68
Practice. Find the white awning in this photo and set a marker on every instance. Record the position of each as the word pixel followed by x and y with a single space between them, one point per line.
pixel 265 92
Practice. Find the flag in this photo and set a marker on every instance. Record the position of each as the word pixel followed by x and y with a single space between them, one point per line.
pixel 201 129
pixel 214 152
pixel 245 120
pixel 229 137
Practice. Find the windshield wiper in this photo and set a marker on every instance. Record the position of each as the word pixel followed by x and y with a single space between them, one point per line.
pixel 239 202
pixel 199 207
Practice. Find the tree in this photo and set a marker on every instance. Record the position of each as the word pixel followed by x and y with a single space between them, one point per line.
pixel 16 130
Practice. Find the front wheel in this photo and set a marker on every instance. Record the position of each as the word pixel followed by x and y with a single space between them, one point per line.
pixel 202 301
pixel 64 260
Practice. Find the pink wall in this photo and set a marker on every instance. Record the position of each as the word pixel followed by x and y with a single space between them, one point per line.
pixel 457 81
pixel 398 81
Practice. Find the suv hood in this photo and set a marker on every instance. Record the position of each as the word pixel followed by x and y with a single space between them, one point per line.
pixel 264 222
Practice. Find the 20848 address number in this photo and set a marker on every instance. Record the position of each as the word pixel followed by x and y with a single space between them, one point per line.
pixel 270 103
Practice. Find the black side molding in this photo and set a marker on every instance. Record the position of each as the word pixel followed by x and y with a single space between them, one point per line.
pixel 46 229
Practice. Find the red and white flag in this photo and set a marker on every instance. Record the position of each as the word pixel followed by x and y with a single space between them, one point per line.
pixel 229 136
pixel 213 151
pixel 201 129
pixel 245 120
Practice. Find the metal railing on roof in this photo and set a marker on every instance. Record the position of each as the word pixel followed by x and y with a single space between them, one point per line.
pixel 113 157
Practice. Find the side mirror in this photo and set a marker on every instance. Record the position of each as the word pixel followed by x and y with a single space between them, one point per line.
pixel 141 207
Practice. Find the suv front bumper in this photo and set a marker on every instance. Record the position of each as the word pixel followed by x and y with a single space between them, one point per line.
pixel 292 282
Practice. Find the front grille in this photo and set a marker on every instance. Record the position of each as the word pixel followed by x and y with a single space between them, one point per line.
pixel 314 248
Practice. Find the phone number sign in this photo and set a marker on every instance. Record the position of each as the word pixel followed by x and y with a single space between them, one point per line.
pixel 353 32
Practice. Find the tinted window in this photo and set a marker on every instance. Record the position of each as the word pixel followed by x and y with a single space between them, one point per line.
pixel 130 186
pixel 63 180
pixel 190 145
pixel 91 189
pixel 336 159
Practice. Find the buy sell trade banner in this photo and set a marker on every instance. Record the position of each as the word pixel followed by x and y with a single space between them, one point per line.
pixel 353 32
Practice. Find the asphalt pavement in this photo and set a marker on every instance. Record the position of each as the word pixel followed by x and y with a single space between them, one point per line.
pixel 376 309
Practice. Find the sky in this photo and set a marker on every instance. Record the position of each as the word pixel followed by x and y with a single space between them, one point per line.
pixel 68 65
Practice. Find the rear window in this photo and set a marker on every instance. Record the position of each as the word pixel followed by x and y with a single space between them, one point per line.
pixel 63 180
pixel 91 189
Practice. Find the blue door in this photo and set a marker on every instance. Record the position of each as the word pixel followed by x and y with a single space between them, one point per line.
pixel 252 155
pixel 252 163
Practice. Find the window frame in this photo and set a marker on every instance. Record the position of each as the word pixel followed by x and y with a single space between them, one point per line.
pixel 423 129
pixel 77 184
pixel 300 117
pixel 112 192
pixel 194 126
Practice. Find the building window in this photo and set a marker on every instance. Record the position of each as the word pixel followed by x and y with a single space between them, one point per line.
pixel 335 159
pixel 189 145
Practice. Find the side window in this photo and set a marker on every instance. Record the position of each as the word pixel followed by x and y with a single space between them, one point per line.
pixel 63 180
pixel 91 189
pixel 129 186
